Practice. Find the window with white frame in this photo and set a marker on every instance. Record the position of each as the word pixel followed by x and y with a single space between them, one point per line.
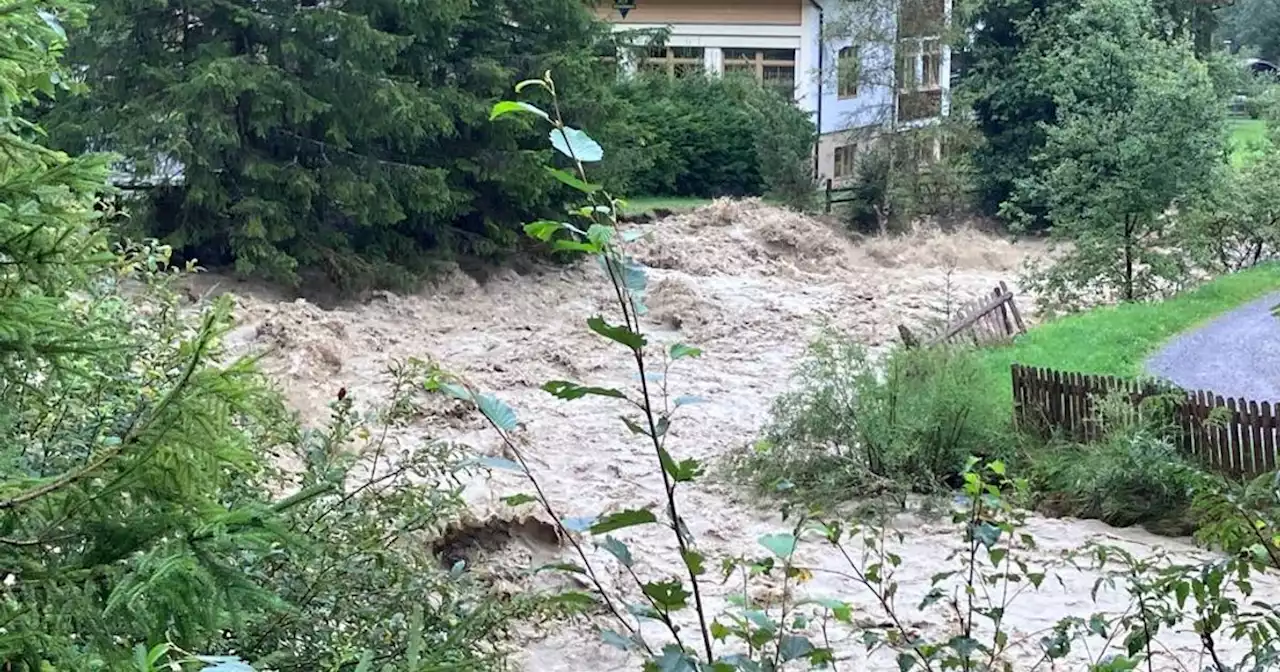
pixel 919 64
pixel 846 161
pixel 771 67
pixel 674 61
pixel 848 70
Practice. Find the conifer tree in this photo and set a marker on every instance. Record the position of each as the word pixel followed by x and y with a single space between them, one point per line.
pixel 347 136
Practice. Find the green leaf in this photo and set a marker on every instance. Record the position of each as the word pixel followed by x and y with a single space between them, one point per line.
pixel 637 429
pixel 673 659
pixel 577 524
pixel 530 82
pixel 1137 641
pixel 517 500
pixel 600 235
pixel 614 639
pixel 543 229
pixel 792 647
pixel 576 144
pixel 987 534
pixel 501 463
pixel 456 391
pixel 964 646
pixel 643 611
pixel 157 652
pixel 694 561
pixel 841 611
pixel 684 471
pixel 570 391
pixel 782 545
pixel 668 595
pixel 618 334
pixel 906 661
pixel 623 519
pixel 498 413
pixel 619 551
pixel 680 351
pixel 575 246
pixel 573 180
pixel 1181 590
pixel 506 107
pixel 53 23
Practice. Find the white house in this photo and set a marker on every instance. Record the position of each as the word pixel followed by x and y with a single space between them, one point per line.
pixel 858 67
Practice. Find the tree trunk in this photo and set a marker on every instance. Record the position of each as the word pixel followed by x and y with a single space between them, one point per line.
pixel 1128 258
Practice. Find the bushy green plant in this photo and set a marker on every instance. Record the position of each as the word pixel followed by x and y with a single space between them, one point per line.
pixel 899 179
pixel 784 145
pixel 1134 475
pixel 718 136
pixel 909 421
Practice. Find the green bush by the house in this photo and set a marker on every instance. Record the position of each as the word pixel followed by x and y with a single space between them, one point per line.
pixel 710 137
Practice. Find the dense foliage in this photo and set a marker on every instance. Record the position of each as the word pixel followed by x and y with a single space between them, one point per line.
pixel 347 137
pixel 1137 132
pixel 709 137
pixel 1010 63
pixel 1254 25
pixel 140 506
pixel 909 420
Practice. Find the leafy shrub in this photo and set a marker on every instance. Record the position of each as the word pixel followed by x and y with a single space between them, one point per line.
pixel 714 136
pixel 867 212
pixel 784 145
pixel 1135 475
pixel 908 421
pixel 899 180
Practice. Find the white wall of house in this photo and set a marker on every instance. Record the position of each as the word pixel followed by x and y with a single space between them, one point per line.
pixel 845 121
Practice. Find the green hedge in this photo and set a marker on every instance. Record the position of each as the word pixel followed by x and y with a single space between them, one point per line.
pixel 709 137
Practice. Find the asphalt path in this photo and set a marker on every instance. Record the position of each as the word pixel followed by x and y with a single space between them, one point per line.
pixel 1235 355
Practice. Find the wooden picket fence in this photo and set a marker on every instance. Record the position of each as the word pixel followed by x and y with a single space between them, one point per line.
pixel 1233 436
pixel 987 320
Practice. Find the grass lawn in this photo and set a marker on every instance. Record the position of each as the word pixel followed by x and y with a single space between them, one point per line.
pixel 1246 136
pixel 1117 340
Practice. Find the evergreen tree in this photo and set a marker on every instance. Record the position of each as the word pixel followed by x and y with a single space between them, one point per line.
pixel 347 136
pixel 138 506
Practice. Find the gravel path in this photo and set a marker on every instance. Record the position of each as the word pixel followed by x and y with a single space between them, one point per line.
pixel 1237 354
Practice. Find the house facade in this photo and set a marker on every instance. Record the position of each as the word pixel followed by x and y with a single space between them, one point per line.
pixel 860 70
